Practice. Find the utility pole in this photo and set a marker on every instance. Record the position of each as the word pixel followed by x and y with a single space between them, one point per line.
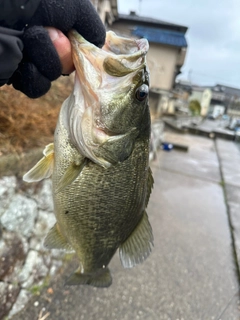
pixel 190 76
pixel 139 7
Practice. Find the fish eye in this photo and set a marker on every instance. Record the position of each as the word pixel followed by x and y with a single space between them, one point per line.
pixel 141 92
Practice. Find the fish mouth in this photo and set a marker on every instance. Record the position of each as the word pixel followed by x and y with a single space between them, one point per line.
pixel 118 57
pixel 102 69
pixel 100 72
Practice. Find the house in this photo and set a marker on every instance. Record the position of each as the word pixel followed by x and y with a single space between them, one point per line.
pixel 166 56
pixel 214 100
pixel 228 97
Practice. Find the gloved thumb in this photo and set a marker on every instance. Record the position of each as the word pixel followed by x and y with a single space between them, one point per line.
pixel 39 49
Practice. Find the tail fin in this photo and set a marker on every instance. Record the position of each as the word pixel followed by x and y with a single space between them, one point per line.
pixel 101 278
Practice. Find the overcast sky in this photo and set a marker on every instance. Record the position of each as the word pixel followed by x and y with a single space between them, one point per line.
pixel 213 36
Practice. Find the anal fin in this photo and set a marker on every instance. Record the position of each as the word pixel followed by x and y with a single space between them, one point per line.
pixel 101 278
pixel 138 245
pixel 55 240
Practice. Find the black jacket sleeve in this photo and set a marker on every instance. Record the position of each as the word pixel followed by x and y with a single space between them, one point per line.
pixel 10 52
pixel 14 14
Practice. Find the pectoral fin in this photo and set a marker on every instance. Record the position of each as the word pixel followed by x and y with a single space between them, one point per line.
pixel 71 174
pixel 138 245
pixel 44 168
pixel 55 240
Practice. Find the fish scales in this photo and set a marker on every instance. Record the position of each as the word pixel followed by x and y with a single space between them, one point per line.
pixel 103 211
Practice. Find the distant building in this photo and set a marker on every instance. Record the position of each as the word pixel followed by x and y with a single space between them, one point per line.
pixel 213 99
pixel 107 10
pixel 228 97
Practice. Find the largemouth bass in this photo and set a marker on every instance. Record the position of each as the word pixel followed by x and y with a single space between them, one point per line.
pixel 99 161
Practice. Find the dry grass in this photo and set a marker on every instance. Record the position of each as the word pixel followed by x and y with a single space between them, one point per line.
pixel 29 123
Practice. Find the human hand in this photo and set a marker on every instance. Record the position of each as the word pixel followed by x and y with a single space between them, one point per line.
pixel 44 60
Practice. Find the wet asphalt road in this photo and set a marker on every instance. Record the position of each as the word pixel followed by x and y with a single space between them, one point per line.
pixel 191 273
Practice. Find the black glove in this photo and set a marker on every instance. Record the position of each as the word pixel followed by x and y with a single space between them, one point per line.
pixel 40 64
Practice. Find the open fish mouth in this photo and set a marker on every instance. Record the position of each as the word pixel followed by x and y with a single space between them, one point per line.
pixel 101 74
pixel 118 58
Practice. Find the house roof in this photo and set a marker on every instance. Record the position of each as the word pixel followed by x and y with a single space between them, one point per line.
pixel 227 90
pixel 152 22
pixel 157 35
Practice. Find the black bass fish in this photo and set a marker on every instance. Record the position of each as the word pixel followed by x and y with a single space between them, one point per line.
pixel 99 161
